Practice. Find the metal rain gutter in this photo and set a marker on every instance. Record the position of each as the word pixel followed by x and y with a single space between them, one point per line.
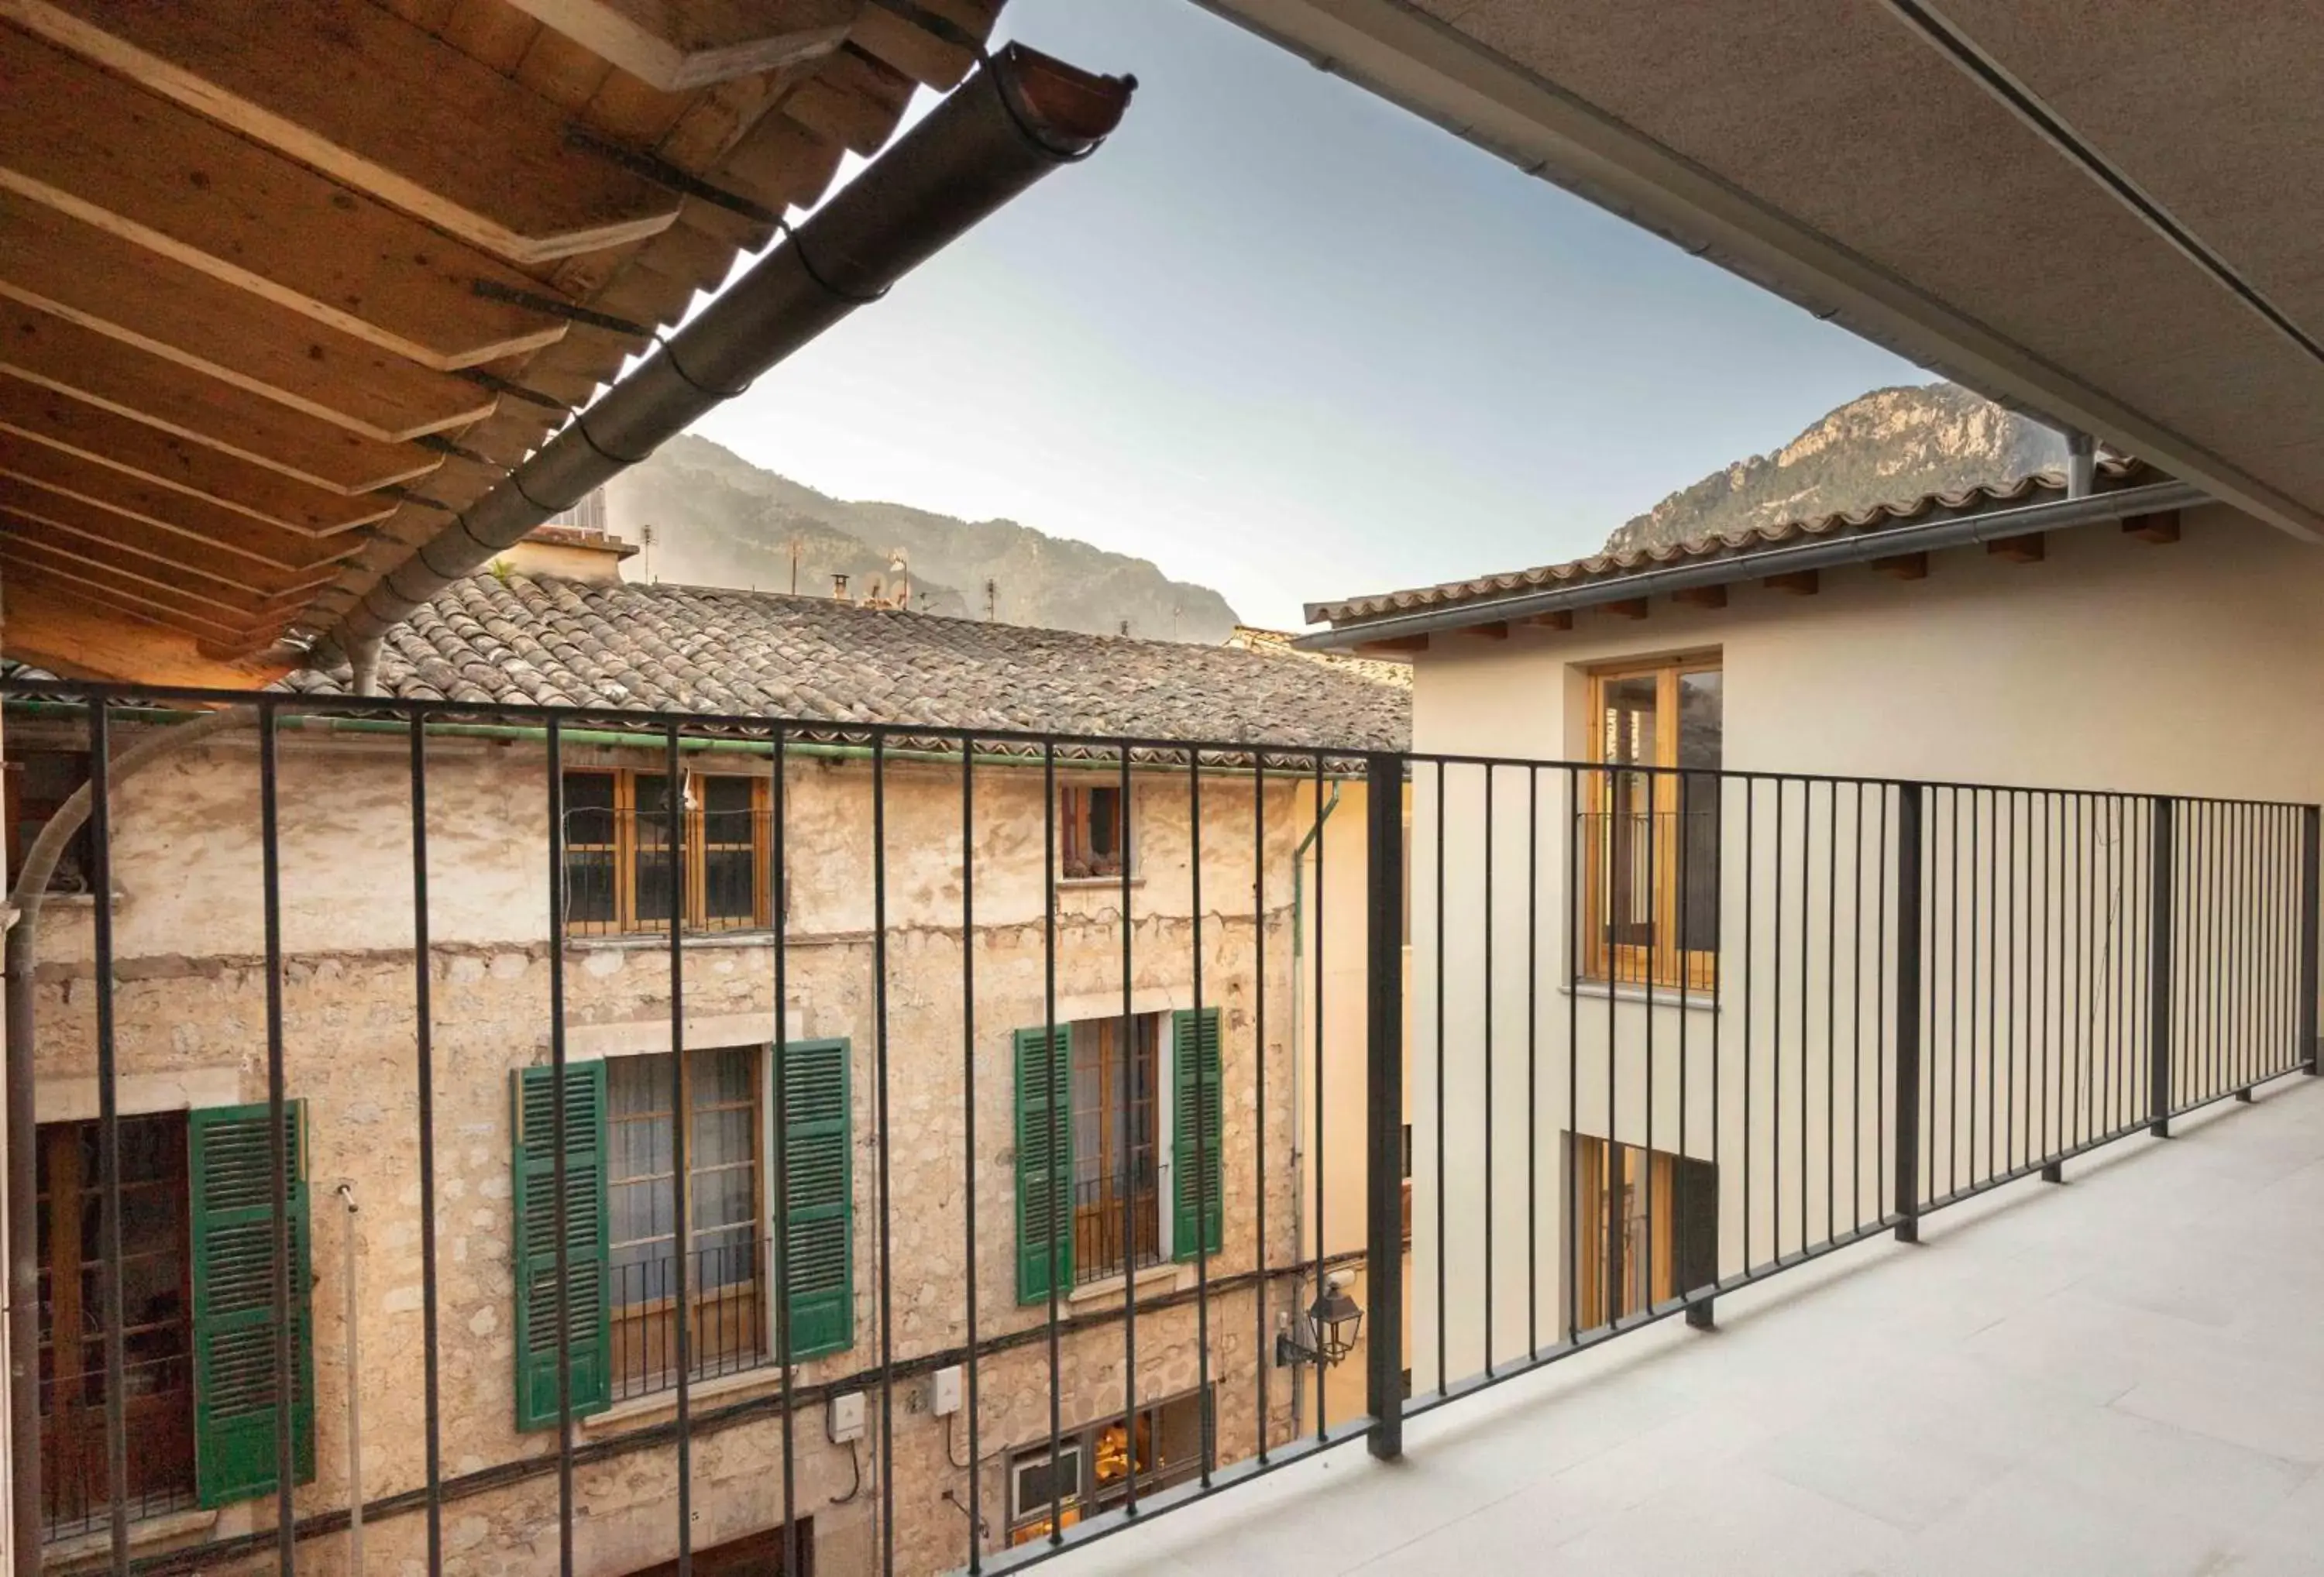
pixel 1928 536
pixel 1023 114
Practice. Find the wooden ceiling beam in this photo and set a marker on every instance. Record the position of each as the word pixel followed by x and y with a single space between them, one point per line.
pixel 2025 549
pixel 185 555
pixel 1554 619
pixel 60 265
pixel 1628 607
pixel 1797 583
pixel 149 579
pixel 162 177
pixel 1701 597
pixel 679 45
pixel 54 627
pixel 46 417
pixel 186 614
pixel 2162 527
pixel 941 63
pixel 1392 647
pixel 851 100
pixel 262 544
pixel 62 471
pixel 377 103
pixel 1903 567
pixel 119 377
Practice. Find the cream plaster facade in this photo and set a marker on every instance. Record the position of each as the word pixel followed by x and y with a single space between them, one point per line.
pixel 2190 668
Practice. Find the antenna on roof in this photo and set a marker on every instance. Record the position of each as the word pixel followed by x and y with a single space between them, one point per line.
pixel 795 553
pixel 1125 627
pixel 992 598
pixel 645 539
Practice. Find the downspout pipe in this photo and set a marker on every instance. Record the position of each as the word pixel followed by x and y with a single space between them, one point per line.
pixel 23 957
pixel 1019 117
pixel 2115 503
pixel 2081 464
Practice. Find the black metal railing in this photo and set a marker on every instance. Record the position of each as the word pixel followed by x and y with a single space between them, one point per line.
pixel 730 1330
pixel 1649 1058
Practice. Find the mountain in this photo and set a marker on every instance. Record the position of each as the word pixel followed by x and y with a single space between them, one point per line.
pixel 720 520
pixel 1888 447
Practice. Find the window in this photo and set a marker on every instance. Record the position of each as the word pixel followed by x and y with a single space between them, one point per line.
pixel 621 1258
pixel 1096 1464
pixel 157 1323
pixel 198 1377
pixel 755 1555
pixel 1090 1115
pixel 725 1256
pixel 1115 1163
pixel 39 782
pixel 1647 1225
pixel 619 877
pixel 1094 832
pixel 1651 836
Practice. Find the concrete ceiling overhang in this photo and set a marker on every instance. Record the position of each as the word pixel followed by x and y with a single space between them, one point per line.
pixel 2100 213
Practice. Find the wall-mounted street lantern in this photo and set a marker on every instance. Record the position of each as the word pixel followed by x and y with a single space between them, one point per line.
pixel 1325 1334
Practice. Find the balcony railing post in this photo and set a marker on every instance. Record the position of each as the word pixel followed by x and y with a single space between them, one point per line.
pixel 2311 852
pixel 1910 859
pixel 2161 911
pixel 1384 1102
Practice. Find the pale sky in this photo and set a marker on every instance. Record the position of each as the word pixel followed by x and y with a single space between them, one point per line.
pixel 1290 342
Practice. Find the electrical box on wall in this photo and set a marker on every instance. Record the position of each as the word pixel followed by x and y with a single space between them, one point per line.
pixel 846 1418
pixel 944 1391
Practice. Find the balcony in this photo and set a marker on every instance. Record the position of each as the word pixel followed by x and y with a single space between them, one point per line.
pixel 1062 1196
pixel 2124 1375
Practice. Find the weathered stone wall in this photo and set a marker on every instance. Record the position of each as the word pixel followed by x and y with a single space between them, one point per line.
pixel 191 1029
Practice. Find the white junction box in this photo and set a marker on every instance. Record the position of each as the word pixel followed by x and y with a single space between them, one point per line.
pixel 846 1418
pixel 944 1391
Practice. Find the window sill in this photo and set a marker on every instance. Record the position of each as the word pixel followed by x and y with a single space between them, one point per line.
pixel 1149 1279
pixel 1693 1001
pixel 1088 883
pixel 658 941
pixel 93 1551
pixel 660 1406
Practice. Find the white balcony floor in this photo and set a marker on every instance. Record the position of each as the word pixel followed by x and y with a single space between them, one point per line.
pixel 2122 1375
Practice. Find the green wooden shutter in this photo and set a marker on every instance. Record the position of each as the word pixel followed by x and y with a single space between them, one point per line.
pixel 818 1240
pixel 235 1328
pixel 1194 1144
pixel 1045 1170
pixel 588 1250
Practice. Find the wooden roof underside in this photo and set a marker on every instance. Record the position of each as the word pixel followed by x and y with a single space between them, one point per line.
pixel 279 284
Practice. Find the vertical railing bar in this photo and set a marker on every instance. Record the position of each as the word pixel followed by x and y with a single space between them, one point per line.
pixel 1532 1059
pixel 423 1014
pixel 1904 1187
pixel 1052 1190
pixel 1856 1023
pixel 2125 949
pixel 1776 1035
pixel 1807 946
pixel 1750 975
pixel 108 1123
pixel 2009 1147
pixel 1654 953
pixel 2311 845
pixel 1981 970
pixel 278 1141
pixel 1205 1141
pixel 561 1250
pixel 1383 1099
pixel 2070 965
pixel 2216 965
pixel 2162 866
pixel 1880 1003
pixel 1128 1104
pixel 1259 1343
pixel 778 897
pixel 1442 1347
pixel 1951 991
pixel 1682 985
pixel 2039 1004
pixel 1718 993
pixel 1831 960
pixel 1609 1295
pixel 682 1187
pixel 1489 1289
pixel 1315 1152
pixel 885 1154
pixel 1576 918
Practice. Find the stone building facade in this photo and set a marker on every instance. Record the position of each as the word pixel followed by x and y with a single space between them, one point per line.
pixel 876 961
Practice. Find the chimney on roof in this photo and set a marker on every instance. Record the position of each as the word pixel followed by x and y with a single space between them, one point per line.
pixel 839 588
pixel 569 553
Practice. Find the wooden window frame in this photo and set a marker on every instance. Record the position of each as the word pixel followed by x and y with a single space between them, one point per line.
pixel 1601 1265
pixel 736 1311
pixel 1072 830
pixel 694 870
pixel 1100 1224
pixel 1664 962
pixel 1095 1446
